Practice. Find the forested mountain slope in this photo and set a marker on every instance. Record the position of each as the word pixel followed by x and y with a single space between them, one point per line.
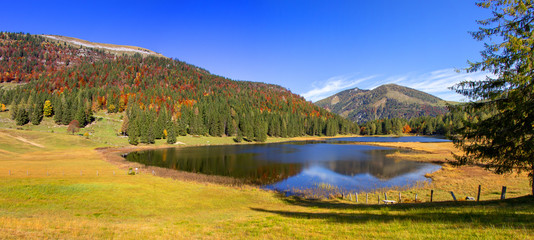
pixel 384 102
pixel 160 96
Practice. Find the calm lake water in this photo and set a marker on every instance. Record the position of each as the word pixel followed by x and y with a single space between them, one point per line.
pixel 391 139
pixel 297 165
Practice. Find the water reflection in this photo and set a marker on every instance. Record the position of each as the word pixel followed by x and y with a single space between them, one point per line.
pixel 424 139
pixel 294 165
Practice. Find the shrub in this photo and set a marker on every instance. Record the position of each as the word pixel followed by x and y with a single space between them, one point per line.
pixel 74 126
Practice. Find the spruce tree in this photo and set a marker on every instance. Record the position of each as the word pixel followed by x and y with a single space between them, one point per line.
pixel 171 130
pixel 22 116
pixel 14 111
pixel 36 115
pixel 80 115
pixel 159 125
pixel 133 130
pixel 58 112
pixel 505 139
pixel 68 112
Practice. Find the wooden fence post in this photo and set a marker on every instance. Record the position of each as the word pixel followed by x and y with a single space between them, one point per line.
pixel 97 172
pixel 431 195
pixel 453 197
pixel 356 197
pixel 366 198
pixel 503 193
pixel 416 197
pixel 478 195
pixel 379 198
pixel 400 197
pixel 9 172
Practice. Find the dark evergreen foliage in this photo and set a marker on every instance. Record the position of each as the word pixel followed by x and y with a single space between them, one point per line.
pixel 504 137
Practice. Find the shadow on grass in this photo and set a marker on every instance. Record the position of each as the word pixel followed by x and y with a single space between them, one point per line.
pixel 510 213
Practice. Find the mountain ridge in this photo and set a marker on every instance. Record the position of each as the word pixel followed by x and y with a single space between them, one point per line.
pixel 385 101
pixel 112 48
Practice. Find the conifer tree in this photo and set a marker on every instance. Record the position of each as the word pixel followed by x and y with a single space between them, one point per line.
pixel 80 116
pixel 239 136
pixel 14 110
pixel 36 115
pixel 171 130
pixel 160 125
pixel 505 139
pixel 68 112
pixel 133 131
pixel 58 113
pixel 22 117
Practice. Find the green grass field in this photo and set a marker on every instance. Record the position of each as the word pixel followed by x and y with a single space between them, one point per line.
pixel 55 185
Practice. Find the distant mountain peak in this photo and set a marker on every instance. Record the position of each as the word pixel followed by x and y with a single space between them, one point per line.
pixel 385 101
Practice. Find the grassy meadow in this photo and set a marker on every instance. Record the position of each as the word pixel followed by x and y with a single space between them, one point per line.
pixel 55 185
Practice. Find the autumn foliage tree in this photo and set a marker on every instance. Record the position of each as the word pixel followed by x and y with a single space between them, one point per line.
pixel 406 129
pixel 74 127
pixel 48 110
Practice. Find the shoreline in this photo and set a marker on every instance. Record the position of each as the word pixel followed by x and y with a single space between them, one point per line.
pixel 463 180
pixel 114 155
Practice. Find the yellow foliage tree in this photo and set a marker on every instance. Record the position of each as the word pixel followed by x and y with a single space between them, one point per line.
pixel 48 109
pixel 111 108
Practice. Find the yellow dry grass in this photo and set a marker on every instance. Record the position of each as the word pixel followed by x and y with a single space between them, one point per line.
pixel 54 201
pixel 463 180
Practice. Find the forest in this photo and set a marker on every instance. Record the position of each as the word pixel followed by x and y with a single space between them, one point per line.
pixel 160 97
pixel 166 98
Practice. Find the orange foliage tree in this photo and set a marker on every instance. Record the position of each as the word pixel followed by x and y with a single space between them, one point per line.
pixel 406 129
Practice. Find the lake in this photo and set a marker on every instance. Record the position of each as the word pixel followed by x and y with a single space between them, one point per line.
pixel 293 166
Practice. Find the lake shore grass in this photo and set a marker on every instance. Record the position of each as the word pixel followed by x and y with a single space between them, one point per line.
pixel 56 185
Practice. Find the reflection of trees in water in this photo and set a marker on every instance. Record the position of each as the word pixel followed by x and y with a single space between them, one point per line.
pixel 218 162
pixel 233 162
pixel 380 166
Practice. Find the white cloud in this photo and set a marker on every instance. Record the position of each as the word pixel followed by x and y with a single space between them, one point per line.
pixel 334 85
pixel 436 83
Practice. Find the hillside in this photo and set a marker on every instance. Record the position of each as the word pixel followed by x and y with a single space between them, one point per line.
pixel 386 101
pixel 158 96
pixel 112 48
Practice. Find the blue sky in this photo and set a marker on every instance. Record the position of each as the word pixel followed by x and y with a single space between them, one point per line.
pixel 314 48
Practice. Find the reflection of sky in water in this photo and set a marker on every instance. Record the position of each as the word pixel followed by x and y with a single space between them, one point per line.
pixel 310 153
pixel 309 178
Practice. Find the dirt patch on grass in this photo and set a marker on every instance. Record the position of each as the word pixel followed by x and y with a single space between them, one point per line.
pixel 29 142
pixel 24 140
